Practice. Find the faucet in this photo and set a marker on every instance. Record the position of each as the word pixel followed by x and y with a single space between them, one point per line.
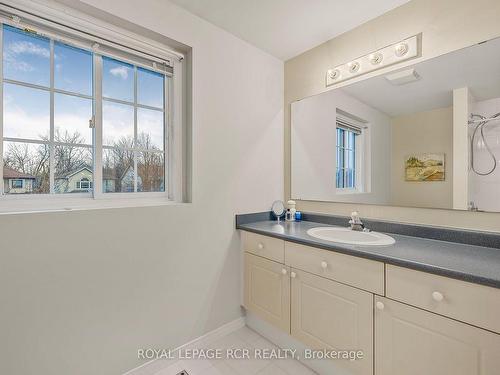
pixel 356 223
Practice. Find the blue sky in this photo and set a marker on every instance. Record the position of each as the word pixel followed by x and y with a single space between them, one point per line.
pixel 26 58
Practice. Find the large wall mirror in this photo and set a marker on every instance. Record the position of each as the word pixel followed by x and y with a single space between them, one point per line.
pixel 426 135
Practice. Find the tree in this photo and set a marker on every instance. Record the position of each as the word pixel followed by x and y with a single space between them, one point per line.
pixel 31 159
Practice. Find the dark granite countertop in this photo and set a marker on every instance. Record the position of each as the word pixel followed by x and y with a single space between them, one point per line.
pixel 476 264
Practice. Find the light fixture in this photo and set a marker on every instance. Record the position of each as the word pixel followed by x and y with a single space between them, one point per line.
pixel 398 52
pixel 403 77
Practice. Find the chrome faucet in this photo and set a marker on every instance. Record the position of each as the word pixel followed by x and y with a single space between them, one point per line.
pixel 356 223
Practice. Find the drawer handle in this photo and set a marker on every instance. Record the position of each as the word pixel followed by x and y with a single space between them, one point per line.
pixel 438 297
pixel 293 275
pixel 324 265
pixel 380 305
pixel 260 245
pixel 283 271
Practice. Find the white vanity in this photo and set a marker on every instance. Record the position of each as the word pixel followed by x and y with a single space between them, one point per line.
pixel 405 321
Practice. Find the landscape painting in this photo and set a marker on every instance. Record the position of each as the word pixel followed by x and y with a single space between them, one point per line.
pixel 424 167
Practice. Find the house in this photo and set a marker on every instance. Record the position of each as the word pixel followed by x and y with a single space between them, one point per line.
pixel 15 182
pixel 81 180
pixel 78 181
pixel 127 180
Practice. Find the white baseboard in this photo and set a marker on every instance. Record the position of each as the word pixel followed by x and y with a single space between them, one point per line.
pixel 152 366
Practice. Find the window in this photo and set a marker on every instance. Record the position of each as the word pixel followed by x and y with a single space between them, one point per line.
pixel 84 184
pixel 347 153
pixel 133 127
pixel 17 184
pixel 70 110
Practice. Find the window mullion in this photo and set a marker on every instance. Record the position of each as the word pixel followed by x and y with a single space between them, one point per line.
pixel 135 129
pixel 167 124
pixel 1 111
pixel 51 145
pixel 97 131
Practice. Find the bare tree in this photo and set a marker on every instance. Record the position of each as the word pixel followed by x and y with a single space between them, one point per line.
pixel 70 155
pixel 30 159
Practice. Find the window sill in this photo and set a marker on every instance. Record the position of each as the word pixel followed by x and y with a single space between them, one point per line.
pixel 30 206
pixel 348 191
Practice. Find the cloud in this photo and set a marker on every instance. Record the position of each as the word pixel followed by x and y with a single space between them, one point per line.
pixel 15 49
pixel 25 47
pixel 120 71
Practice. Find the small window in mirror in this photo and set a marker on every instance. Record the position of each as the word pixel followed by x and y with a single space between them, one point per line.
pixel 347 154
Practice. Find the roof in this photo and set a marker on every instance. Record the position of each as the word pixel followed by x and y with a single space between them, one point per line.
pixel 12 173
pixel 73 172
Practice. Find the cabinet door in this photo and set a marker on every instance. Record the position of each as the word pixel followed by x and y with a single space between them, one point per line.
pixel 267 290
pixel 410 341
pixel 333 316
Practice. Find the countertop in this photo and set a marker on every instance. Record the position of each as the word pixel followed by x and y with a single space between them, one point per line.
pixel 476 264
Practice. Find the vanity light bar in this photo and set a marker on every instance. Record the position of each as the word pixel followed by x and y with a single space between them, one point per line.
pixel 402 51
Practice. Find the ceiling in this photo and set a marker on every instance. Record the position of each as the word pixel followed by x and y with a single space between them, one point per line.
pixel 476 67
pixel 286 28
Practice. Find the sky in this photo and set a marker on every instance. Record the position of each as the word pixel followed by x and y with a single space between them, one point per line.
pixel 26 58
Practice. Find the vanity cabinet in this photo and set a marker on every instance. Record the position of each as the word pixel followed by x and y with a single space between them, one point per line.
pixel 267 290
pixel 411 341
pixel 406 322
pixel 329 315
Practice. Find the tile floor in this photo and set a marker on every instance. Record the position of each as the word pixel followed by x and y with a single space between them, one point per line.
pixel 242 338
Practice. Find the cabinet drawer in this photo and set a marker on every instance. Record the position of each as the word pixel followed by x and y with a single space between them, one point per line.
pixel 267 247
pixel 470 303
pixel 361 273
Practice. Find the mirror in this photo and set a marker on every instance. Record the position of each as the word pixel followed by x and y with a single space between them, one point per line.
pixel 426 135
pixel 278 209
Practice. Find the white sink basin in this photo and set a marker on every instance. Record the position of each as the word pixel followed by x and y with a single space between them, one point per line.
pixel 351 237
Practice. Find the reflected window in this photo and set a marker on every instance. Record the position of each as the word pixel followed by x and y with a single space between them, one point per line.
pixel 346 154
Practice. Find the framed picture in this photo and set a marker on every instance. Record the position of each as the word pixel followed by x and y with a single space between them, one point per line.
pixel 424 167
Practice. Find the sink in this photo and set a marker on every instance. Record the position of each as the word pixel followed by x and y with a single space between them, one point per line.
pixel 351 237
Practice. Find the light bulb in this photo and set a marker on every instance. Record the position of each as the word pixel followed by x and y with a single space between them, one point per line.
pixel 401 49
pixel 334 74
pixel 376 58
pixel 353 66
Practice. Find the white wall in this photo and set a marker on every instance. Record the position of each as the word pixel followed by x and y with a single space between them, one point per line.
pixel 446 25
pixel 81 291
pixel 313 144
pixel 483 190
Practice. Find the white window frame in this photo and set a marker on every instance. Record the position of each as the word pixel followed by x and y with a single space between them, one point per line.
pixel 173 119
pixel 360 151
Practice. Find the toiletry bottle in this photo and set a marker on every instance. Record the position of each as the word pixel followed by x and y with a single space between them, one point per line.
pixel 291 207
pixel 298 216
